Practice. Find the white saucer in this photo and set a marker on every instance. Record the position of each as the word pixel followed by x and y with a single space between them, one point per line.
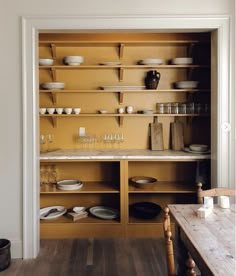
pixel 197 152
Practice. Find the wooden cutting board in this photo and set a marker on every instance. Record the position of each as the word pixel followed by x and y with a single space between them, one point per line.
pixel 177 136
pixel 156 136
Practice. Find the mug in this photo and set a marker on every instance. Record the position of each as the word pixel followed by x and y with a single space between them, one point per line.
pixel 224 202
pixel 208 202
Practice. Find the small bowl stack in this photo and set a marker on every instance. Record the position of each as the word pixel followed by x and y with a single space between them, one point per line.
pixel 73 60
pixel 198 147
pixel 53 85
pixel 45 61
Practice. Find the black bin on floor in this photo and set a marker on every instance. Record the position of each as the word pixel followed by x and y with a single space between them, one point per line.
pixel 5 254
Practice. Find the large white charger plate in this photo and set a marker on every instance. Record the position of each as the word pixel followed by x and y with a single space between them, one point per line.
pixel 61 211
pixel 69 184
pixel 104 212
pixel 197 152
pixel 127 87
pixel 149 61
pixel 110 63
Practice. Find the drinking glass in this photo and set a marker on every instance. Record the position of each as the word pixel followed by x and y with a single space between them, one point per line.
pixel 50 138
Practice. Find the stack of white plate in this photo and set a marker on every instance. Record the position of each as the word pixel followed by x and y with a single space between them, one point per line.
pixel 149 61
pixel 53 85
pixel 182 60
pixel 69 184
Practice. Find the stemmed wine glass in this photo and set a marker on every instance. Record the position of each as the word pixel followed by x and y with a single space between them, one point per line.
pixel 50 138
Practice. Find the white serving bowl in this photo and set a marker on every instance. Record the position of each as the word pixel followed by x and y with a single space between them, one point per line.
pixel 186 84
pixel 182 60
pixel 42 110
pixel 46 61
pixel 68 110
pixel 50 110
pixel 53 85
pixel 76 110
pixel 73 60
pixel 198 147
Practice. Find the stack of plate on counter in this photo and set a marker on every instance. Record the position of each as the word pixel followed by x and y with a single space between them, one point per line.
pixel 69 184
pixel 149 61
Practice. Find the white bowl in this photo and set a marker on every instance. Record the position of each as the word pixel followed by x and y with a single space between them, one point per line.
pixel 76 110
pixel 102 111
pixel 50 110
pixel 182 60
pixel 186 84
pixel 53 85
pixel 42 110
pixel 198 147
pixel 148 61
pixel 73 60
pixel 59 110
pixel 45 61
pixel 68 110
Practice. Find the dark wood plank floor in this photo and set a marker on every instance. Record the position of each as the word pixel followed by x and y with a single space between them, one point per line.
pixel 94 257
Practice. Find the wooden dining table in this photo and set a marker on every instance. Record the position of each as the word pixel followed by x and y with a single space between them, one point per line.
pixel 209 240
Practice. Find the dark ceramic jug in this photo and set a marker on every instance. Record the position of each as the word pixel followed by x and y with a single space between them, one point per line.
pixel 152 79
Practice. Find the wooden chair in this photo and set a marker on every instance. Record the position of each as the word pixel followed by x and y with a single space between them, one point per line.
pixel 213 192
pixel 170 256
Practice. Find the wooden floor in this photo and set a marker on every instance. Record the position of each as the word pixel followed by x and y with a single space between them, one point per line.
pixel 100 257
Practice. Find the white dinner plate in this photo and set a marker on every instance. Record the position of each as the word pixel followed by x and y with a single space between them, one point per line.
pixel 61 211
pixel 104 212
pixel 149 61
pixel 197 152
pixel 110 63
pixel 69 184
pixel 127 87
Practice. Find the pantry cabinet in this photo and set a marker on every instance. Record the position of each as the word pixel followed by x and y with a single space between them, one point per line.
pixel 103 166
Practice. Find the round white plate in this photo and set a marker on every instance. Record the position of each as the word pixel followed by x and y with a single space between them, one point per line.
pixel 118 88
pixel 69 187
pixel 110 63
pixel 104 212
pixel 61 211
pixel 197 152
pixel 148 61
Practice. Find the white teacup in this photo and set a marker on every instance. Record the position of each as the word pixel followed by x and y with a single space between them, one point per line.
pixel 76 110
pixel 50 110
pixel 42 110
pixel 68 110
pixel 59 110
pixel 208 202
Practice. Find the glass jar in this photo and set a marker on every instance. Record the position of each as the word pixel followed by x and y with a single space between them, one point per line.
pixel 190 108
pixel 182 108
pixel 160 108
pixel 167 108
pixel 175 108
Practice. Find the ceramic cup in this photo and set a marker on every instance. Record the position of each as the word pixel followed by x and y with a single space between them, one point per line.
pixel 50 110
pixel 224 202
pixel 121 110
pixel 208 202
pixel 42 110
pixel 59 110
pixel 68 110
pixel 129 109
pixel 76 110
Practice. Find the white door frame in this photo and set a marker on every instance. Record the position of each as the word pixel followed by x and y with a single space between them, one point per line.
pixel 33 25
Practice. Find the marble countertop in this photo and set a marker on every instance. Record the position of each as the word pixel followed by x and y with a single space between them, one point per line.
pixel 120 154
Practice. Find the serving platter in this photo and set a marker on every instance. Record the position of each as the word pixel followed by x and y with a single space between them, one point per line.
pixel 127 87
pixel 61 210
pixel 186 149
pixel 104 212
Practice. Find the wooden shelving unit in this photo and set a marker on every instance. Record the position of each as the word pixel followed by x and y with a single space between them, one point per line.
pixel 106 182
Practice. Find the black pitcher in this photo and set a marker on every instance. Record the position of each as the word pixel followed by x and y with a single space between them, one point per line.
pixel 152 79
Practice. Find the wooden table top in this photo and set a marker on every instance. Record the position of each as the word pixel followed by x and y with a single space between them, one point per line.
pixel 210 240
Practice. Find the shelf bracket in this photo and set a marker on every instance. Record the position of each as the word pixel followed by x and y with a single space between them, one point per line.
pixel 53 50
pixel 121 121
pixel 54 97
pixel 53 73
pixel 54 121
pixel 121 74
pixel 121 50
pixel 121 97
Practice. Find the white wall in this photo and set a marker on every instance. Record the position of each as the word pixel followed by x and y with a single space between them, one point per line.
pixel 10 81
